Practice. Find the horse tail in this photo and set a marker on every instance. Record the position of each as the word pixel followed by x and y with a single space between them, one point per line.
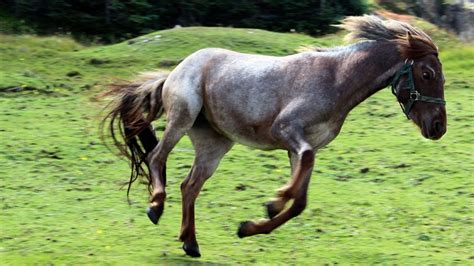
pixel 127 123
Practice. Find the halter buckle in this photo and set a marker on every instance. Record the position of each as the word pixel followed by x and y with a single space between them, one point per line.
pixel 415 95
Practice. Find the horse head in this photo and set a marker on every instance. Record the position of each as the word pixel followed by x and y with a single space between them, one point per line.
pixel 419 86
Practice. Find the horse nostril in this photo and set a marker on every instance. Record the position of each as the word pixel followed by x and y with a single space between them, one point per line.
pixel 438 127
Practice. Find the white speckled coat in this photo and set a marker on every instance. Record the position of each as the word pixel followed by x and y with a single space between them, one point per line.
pixel 297 103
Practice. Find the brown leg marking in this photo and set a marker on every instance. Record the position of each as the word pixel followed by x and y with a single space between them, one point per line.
pixel 190 189
pixel 210 147
pixel 157 161
pixel 299 188
pixel 284 194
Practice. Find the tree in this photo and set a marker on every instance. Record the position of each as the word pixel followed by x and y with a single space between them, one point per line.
pixel 114 20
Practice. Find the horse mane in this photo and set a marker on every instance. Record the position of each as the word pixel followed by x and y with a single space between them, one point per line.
pixel 411 41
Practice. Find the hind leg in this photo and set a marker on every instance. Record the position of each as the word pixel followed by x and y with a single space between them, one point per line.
pixel 210 147
pixel 180 119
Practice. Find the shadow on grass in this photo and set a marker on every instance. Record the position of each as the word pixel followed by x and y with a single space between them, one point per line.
pixel 185 260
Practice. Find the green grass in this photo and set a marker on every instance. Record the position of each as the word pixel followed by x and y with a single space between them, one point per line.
pixel 61 201
pixel 44 62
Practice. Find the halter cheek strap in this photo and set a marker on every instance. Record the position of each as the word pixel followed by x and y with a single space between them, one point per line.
pixel 407 69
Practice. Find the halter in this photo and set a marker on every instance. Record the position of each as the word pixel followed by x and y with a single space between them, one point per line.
pixel 414 94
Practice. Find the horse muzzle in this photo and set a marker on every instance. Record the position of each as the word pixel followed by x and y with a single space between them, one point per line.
pixel 434 128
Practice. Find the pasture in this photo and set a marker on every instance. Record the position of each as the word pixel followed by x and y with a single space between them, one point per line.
pixel 380 193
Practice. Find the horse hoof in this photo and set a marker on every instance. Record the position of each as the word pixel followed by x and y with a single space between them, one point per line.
pixel 154 214
pixel 191 250
pixel 272 211
pixel 243 229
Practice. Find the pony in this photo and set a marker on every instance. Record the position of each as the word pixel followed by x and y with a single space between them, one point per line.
pixel 297 103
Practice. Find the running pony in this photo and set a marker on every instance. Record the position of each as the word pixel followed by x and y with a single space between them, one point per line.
pixel 296 103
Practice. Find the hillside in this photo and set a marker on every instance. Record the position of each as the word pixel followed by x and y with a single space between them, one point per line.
pixel 59 63
pixel 47 63
pixel 380 193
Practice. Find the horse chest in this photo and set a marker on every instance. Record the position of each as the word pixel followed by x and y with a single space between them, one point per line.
pixel 319 135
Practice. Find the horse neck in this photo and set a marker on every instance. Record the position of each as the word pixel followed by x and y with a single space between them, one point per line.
pixel 365 68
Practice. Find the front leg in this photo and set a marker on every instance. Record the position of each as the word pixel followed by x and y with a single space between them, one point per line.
pixel 291 135
pixel 275 206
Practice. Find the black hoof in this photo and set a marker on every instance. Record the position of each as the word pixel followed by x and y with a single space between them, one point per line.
pixel 154 214
pixel 242 231
pixel 191 250
pixel 271 210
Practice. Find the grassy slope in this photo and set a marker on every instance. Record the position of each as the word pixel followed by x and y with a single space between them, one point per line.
pixel 45 62
pixel 59 186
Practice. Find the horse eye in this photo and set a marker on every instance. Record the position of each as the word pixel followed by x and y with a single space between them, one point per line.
pixel 426 75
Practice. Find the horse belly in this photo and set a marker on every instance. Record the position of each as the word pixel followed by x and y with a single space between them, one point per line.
pixel 244 130
pixel 254 137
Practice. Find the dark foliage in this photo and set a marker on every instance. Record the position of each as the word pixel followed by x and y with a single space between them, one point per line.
pixel 114 20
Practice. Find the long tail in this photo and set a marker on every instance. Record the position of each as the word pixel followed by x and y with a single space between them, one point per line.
pixel 130 129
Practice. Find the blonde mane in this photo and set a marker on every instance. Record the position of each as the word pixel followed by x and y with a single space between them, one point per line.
pixel 412 42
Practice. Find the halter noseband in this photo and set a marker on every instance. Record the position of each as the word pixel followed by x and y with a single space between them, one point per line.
pixel 407 69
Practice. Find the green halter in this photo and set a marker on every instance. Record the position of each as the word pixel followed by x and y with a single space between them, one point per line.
pixel 414 94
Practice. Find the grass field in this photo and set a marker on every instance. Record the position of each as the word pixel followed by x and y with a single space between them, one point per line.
pixel 380 193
